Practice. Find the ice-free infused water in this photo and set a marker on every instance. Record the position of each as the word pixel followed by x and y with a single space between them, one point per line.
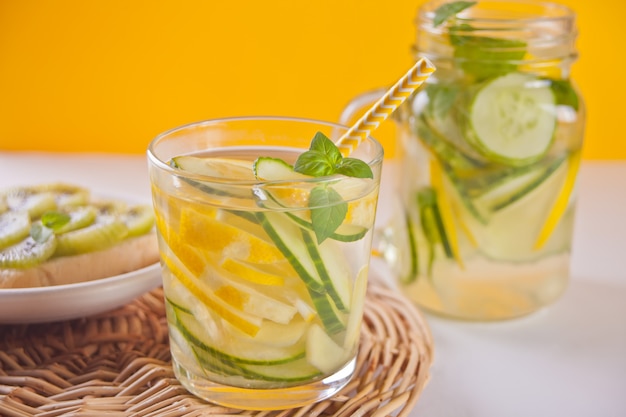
pixel 259 300
pixel 490 149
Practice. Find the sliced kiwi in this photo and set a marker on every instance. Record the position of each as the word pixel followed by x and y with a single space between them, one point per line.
pixel 27 253
pixel 31 200
pixel 4 206
pixel 139 220
pixel 104 233
pixel 80 217
pixel 110 207
pixel 14 227
pixel 65 194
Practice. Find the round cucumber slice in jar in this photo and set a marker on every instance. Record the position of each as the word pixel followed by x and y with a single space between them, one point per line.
pixel 513 119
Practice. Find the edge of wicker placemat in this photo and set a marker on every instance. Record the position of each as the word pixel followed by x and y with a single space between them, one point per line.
pixel 118 364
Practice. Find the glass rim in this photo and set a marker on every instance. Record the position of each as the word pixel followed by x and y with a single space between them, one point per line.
pixel 427 12
pixel 163 165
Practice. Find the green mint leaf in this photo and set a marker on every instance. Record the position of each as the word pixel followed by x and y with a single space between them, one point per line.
pixel 328 210
pixel 447 10
pixel 322 144
pixel 55 220
pixel 485 57
pixel 40 233
pixel 564 93
pixel 352 167
pixel 314 163
pixel 321 159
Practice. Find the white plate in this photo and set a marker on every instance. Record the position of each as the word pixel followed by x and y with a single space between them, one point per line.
pixel 64 302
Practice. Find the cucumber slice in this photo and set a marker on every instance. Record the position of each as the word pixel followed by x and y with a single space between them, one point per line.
pixel 512 188
pixel 323 352
pixel 233 350
pixel 513 119
pixel 274 169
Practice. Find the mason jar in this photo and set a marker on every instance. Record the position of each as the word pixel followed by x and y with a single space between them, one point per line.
pixel 489 152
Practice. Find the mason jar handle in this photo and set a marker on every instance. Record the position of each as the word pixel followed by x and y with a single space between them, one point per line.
pixel 358 103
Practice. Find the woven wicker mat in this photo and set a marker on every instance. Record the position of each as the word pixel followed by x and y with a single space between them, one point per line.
pixel 118 364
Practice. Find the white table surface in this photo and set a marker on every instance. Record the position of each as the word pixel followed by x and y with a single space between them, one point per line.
pixel 566 360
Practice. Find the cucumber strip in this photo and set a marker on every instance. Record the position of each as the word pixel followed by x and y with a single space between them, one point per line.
pixel 322 351
pixel 297 371
pixel 441 147
pixel 528 187
pixel 413 269
pixel 447 220
pixel 288 239
pixel 433 226
pixel 357 306
pixel 337 280
pixel 238 351
pixel 327 312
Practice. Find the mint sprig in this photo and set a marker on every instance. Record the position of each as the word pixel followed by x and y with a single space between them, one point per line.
pixel 447 10
pixel 50 222
pixel 328 210
pixel 323 158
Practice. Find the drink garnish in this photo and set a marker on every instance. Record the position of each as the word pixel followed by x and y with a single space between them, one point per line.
pixel 448 10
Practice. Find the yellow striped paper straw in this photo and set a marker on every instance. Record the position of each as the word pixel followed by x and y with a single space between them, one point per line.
pixel 387 104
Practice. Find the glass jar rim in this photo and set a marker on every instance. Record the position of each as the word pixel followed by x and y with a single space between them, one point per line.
pixel 546 29
pixel 490 11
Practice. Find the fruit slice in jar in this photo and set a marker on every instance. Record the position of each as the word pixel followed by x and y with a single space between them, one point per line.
pixel 513 119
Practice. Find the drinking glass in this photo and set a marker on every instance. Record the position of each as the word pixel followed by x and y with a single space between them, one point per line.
pixel 264 310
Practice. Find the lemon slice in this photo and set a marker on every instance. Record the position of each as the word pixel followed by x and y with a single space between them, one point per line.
pixel 253 302
pixel 252 273
pixel 561 203
pixel 247 323
pixel 226 168
pixel 276 334
pixel 206 233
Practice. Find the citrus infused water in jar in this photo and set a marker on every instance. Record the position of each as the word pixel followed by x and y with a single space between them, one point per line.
pixel 490 150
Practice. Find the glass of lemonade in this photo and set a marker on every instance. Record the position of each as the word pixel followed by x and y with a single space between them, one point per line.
pixel 264 268
pixel 489 152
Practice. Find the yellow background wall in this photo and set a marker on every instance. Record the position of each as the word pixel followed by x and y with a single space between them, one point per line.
pixel 108 75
